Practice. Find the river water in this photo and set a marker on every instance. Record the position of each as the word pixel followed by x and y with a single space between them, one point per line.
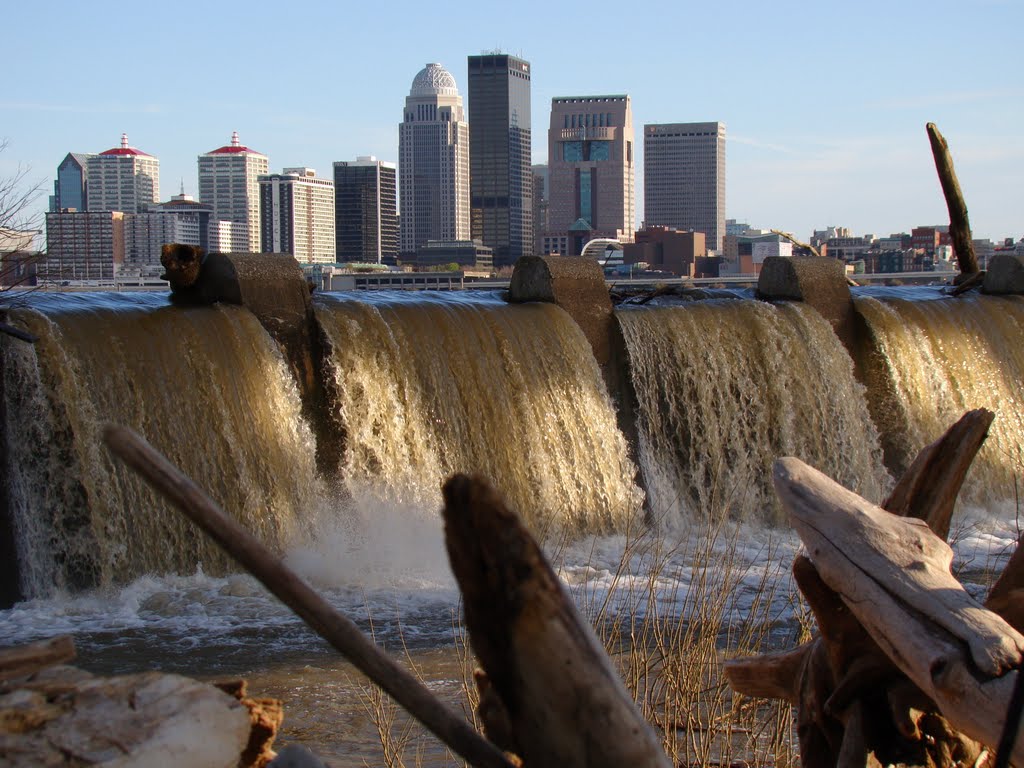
pixel 438 384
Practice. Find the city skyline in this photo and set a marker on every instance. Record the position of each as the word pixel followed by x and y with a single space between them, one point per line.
pixel 825 108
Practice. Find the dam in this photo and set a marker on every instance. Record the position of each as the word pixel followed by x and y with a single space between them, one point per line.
pixel 684 421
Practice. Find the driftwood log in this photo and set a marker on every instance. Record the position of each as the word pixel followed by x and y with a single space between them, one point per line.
pixel 959 225
pixel 337 629
pixel 548 690
pixel 907 667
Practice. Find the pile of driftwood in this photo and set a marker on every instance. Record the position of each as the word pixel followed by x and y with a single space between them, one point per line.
pixel 907 668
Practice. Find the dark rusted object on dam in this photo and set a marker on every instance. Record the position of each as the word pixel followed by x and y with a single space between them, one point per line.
pixel 273 287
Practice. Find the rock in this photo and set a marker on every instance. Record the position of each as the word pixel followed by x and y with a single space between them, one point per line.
pixel 295 756
pixel 66 717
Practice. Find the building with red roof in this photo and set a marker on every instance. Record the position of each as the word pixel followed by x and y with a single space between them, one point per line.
pixel 123 179
pixel 228 181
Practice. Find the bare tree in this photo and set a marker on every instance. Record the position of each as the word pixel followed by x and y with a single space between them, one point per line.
pixel 17 194
pixel 19 224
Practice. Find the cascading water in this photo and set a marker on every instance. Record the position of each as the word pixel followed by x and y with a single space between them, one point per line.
pixel 939 357
pixel 725 387
pixel 206 386
pixel 426 385
pixel 435 385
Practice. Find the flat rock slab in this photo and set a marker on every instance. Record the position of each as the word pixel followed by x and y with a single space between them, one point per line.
pixel 67 717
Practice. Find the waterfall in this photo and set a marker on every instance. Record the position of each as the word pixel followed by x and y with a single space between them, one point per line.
pixel 938 358
pixel 435 385
pixel 206 386
pixel 422 386
pixel 724 387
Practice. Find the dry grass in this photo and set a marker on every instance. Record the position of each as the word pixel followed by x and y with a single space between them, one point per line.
pixel 699 601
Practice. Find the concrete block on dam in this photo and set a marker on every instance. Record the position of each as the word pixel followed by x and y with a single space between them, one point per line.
pixel 576 285
pixel 1005 274
pixel 817 281
pixel 270 285
pixel 274 288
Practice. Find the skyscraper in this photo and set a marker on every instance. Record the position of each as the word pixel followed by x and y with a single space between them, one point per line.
pixel 501 183
pixel 122 179
pixel 433 144
pixel 71 189
pixel 540 206
pixel 365 211
pixel 590 172
pixel 83 245
pixel 297 212
pixel 228 180
pixel 684 178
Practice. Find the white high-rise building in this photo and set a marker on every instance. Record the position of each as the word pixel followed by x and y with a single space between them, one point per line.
pixel 433 166
pixel 123 179
pixel 684 178
pixel 297 212
pixel 229 181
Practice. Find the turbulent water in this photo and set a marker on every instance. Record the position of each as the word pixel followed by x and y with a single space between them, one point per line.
pixel 206 386
pixel 432 386
pixel 726 387
pixel 942 357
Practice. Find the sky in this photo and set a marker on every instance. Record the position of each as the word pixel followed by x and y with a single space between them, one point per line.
pixel 825 104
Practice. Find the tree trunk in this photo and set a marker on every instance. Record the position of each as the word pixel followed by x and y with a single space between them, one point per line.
pixel 557 700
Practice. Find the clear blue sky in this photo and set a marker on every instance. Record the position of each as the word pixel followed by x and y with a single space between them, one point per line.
pixel 824 103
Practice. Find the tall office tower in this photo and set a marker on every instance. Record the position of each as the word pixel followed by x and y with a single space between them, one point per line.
pixel 71 188
pixel 590 172
pixel 83 245
pixel 684 178
pixel 122 179
pixel 433 165
pixel 500 179
pixel 366 211
pixel 540 206
pixel 297 214
pixel 228 180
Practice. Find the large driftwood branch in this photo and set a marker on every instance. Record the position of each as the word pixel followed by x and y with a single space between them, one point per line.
pixel 894 576
pixel 18 333
pixel 929 488
pixel 559 701
pixel 287 586
pixel 959 226
pixel 927 491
